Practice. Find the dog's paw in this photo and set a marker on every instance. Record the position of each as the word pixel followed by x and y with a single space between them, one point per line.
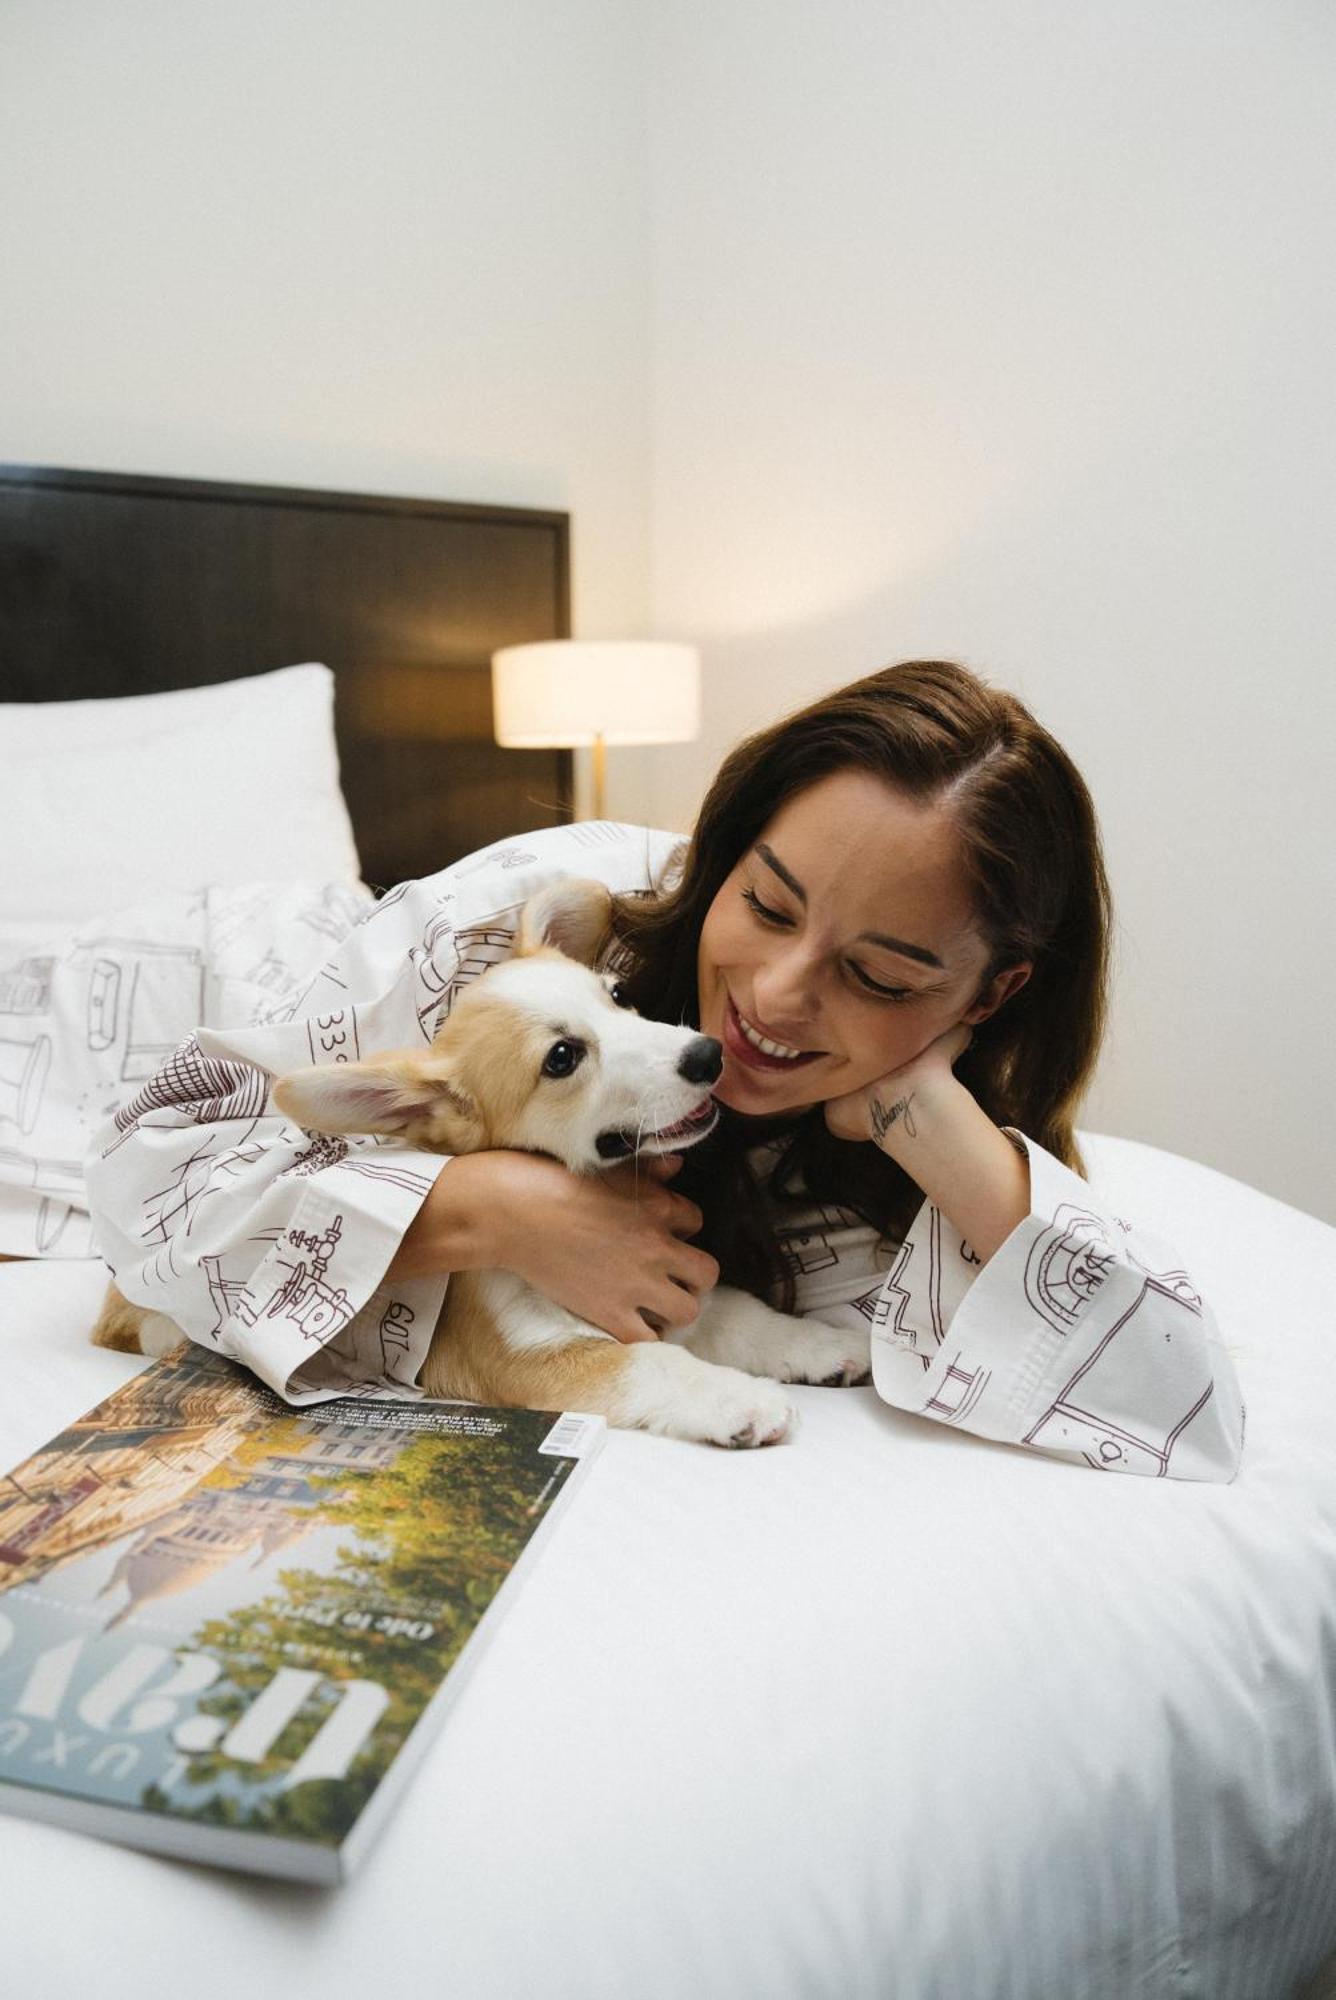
pixel 832 1357
pixel 743 1411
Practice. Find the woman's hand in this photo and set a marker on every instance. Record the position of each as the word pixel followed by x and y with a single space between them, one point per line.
pixel 924 1118
pixel 609 1247
pixel 875 1111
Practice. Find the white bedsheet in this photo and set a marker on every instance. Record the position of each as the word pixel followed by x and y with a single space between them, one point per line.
pixel 890 1711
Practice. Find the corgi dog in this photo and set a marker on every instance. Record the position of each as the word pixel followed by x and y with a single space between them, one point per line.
pixel 542 1054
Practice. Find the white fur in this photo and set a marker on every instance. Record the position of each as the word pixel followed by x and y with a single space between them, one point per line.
pixel 628 1079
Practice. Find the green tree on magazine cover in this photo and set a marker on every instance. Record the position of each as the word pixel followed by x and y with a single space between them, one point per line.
pixel 432 1538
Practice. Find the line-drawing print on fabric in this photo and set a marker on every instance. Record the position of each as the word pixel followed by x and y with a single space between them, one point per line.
pixel 809 1249
pixel 433 962
pixel 387 901
pixel 56 1177
pixel 198 1088
pixel 868 1302
pixel 24 1066
pixel 333 1038
pixel 1067 1265
pixel 1068 1425
pixel 53 1220
pixel 935 1273
pixel 193 1178
pixel 387 1170
pixel 227 1293
pixel 958 1391
pixel 493 857
pixel 894 1292
pixel 395 1330
pixel 478 947
pixel 271 973
pixel 1176 1283
pixel 337 912
pixel 103 1009
pixel 316 1308
pixel 325 1150
pixel 166 998
pixel 25 988
pixel 224 1292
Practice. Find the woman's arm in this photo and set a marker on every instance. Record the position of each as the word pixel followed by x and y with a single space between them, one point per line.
pixel 966 1166
pixel 923 1117
pixel 1081 1336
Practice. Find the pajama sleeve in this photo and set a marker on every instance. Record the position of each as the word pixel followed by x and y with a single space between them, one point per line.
pixel 1083 1336
pixel 270 1243
pixel 259 1239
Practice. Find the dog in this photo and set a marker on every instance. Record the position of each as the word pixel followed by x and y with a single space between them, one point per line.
pixel 543 1054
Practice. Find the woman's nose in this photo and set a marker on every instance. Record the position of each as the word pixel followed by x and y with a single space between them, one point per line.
pixel 784 988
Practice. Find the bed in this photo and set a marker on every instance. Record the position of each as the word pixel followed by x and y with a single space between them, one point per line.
pixel 890 1710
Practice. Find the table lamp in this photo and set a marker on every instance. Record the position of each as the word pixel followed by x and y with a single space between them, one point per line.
pixel 578 693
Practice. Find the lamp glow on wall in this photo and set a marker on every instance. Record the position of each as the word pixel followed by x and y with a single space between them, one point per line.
pixel 589 693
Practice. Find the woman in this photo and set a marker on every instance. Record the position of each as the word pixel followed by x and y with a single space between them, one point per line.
pixel 893 915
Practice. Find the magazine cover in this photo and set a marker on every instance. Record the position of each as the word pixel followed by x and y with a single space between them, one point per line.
pixel 228 1628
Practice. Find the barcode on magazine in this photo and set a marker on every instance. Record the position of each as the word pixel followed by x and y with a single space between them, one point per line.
pixel 570 1434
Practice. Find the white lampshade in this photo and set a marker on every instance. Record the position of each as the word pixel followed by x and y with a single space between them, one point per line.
pixel 572 691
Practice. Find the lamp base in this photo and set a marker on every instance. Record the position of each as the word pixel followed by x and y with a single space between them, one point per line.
pixel 599 775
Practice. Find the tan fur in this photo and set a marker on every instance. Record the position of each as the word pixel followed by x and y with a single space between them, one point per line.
pixel 469 1360
pixel 118 1324
pixel 483 1044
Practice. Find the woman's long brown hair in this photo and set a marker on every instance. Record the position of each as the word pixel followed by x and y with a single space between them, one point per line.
pixel 1031 851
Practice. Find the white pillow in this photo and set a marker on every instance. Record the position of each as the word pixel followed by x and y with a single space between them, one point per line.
pixel 104 803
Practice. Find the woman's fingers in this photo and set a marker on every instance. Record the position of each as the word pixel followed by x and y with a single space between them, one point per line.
pixel 642 1182
pixel 640 1326
pixel 683 1216
pixel 671 1304
pixel 697 1272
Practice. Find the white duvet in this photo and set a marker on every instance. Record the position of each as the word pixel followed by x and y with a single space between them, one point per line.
pixel 890 1711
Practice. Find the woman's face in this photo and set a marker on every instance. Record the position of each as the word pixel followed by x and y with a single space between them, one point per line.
pixel 846 940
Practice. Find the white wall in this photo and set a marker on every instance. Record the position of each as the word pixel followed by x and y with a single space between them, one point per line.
pixel 1007 333
pixel 994 330
pixel 394 247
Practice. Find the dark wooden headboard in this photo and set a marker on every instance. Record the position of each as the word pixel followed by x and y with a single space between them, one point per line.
pixel 114 585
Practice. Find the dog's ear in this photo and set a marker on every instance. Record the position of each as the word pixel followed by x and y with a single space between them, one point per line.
pixel 570 917
pixel 410 1096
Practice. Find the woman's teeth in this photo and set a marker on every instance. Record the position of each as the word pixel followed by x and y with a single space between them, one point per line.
pixel 765 1045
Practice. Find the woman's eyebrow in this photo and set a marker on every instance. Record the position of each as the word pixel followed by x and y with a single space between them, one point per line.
pixel 915 951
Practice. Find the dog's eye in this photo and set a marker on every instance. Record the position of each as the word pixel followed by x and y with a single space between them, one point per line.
pixel 619 995
pixel 562 1058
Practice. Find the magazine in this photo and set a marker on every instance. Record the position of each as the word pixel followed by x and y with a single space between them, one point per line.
pixel 229 1628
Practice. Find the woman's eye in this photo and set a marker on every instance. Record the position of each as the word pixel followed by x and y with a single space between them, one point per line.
pixel 619 995
pixel 882 992
pixel 763 910
pixel 781 922
pixel 562 1058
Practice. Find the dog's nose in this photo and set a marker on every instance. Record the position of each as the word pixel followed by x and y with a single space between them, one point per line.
pixel 701 1060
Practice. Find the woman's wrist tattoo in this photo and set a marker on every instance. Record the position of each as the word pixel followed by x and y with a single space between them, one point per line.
pixel 883 1117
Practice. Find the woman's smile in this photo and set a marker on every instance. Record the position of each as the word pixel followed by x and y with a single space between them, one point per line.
pixel 745 1042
